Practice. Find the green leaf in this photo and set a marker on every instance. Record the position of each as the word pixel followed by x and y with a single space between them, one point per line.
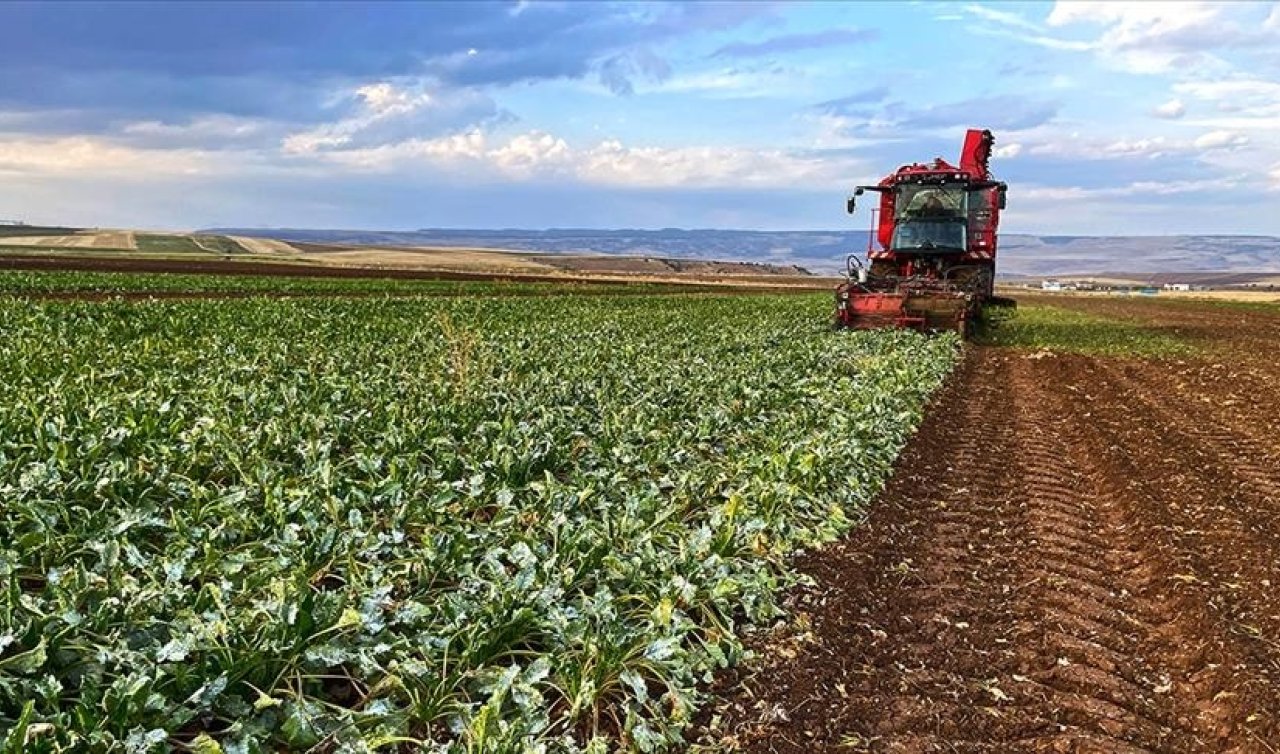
pixel 26 662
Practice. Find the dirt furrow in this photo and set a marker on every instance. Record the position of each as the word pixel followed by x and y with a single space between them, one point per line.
pixel 1106 699
pixel 1198 548
pixel 1233 429
pixel 1031 581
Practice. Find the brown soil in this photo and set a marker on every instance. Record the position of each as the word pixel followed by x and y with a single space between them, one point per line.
pixel 263 245
pixel 1074 554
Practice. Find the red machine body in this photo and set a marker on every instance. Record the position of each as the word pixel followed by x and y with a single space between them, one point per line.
pixel 932 250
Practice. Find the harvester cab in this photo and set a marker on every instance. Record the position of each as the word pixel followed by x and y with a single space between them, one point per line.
pixel 932 248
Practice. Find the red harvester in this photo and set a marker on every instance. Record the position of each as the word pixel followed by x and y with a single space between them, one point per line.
pixel 931 255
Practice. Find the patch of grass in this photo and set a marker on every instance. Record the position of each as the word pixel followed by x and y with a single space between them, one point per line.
pixel 219 244
pixel 1259 307
pixel 35 230
pixel 1048 327
pixel 165 243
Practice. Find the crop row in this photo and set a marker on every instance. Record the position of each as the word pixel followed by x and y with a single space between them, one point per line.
pixel 69 281
pixel 453 524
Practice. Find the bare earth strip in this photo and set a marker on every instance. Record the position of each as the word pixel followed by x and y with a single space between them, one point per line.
pixel 199 244
pixel 1074 554
pixel 440 259
pixel 122 239
pixel 70 242
pixel 263 245
pixel 87 240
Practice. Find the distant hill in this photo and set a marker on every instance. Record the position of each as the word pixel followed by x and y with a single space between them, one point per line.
pixel 824 251
pixel 1094 255
pixel 818 251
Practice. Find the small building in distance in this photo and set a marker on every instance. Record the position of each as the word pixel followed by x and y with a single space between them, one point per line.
pixel 1177 286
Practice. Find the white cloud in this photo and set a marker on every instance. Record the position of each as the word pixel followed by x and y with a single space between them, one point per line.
pixel 1040 40
pixel 1255 123
pixel 445 150
pixel 85 155
pixel 1224 146
pixel 612 163
pixel 1154 147
pixel 730 82
pixel 535 155
pixel 1007 150
pixel 378 102
pixel 1136 189
pixel 1004 17
pixel 526 154
pixel 1173 109
pixel 1074 147
pixel 1132 21
pixel 1252 89
pixel 1274 175
pixel 1152 37
pixel 384 100
pixel 1244 97
pixel 1221 140
pixel 1010 25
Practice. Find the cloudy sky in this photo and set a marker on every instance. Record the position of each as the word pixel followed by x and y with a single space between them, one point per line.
pixel 1115 117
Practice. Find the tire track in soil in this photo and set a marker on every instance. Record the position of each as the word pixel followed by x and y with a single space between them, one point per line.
pixel 1013 590
pixel 1094 637
pixel 1188 510
pixel 1215 515
pixel 1227 439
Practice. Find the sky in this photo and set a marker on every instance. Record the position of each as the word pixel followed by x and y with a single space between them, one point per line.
pixel 1110 118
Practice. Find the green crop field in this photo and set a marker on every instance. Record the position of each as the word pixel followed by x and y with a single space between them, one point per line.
pixel 445 524
pixel 158 242
pixel 1037 326
pixel 218 244
pixel 47 282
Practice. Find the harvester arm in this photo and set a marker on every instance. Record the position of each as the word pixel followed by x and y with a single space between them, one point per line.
pixel 976 153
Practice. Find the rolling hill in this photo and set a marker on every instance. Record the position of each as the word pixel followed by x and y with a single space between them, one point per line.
pixel 824 251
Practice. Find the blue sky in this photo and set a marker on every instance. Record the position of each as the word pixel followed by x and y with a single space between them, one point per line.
pixel 1110 118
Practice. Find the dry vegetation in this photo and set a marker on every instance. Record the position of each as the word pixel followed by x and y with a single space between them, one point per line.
pixel 448 261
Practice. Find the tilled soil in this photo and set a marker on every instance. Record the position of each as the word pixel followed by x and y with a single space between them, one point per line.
pixel 1074 554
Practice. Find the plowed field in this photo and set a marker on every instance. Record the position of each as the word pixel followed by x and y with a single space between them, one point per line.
pixel 1075 553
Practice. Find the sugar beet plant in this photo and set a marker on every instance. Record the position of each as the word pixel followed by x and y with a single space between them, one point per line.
pixel 455 525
